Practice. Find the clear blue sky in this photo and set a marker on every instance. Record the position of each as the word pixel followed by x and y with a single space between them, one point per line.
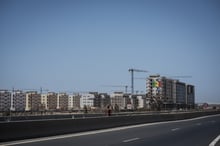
pixel 80 45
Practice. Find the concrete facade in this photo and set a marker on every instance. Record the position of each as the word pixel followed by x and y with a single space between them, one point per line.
pixel 19 101
pixel 120 100
pixel 104 100
pixel 44 102
pixel 180 93
pixel 52 100
pixel 33 101
pixel 190 96
pixel 74 102
pixel 62 102
pixel 169 92
pixel 5 100
pixel 87 99
pixel 141 101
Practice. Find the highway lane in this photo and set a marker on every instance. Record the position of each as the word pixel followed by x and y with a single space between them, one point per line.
pixel 193 132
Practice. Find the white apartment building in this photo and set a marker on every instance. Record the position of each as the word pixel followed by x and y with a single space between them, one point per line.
pixel 87 99
pixel 44 101
pixel 119 99
pixel 141 101
pixel 70 102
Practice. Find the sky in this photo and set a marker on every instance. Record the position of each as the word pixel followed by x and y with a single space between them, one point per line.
pixel 82 45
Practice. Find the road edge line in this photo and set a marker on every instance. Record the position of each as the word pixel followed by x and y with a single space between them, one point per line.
pixel 215 141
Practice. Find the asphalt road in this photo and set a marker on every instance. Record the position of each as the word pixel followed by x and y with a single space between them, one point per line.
pixel 193 132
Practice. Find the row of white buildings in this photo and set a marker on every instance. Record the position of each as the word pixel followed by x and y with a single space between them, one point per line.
pixel 51 101
pixel 161 92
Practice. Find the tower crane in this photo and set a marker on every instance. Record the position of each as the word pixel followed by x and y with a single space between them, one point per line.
pixel 41 90
pixel 180 77
pixel 132 70
pixel 124 86
pixel 174 77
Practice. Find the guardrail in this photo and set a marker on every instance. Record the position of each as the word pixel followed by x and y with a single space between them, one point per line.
pixel 32 129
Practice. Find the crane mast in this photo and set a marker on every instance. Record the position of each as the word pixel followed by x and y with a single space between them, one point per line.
pixel 132 70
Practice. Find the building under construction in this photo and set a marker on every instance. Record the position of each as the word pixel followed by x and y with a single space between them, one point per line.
pixel 169 93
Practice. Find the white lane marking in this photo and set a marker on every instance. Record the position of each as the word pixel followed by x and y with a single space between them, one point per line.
pixel 97 131
pixel 198 124
pixel 132 139
pixel 175 129
pixel 215 141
